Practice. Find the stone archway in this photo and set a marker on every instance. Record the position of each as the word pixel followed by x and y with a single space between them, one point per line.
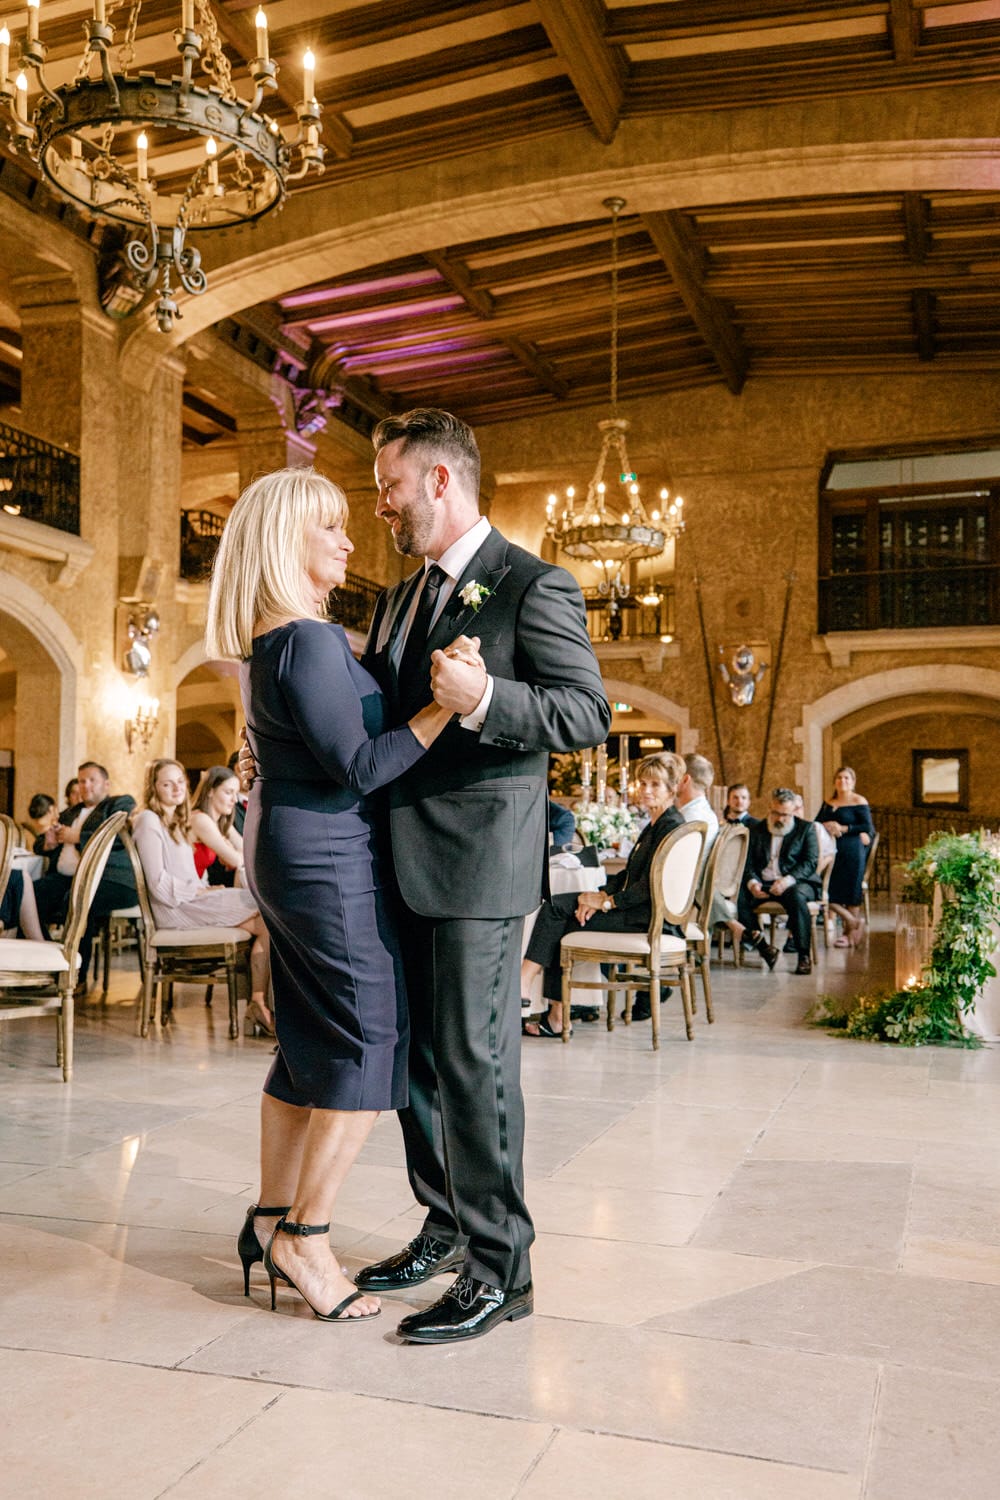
pixel 53 655
pixel 815 733
pixel 658 707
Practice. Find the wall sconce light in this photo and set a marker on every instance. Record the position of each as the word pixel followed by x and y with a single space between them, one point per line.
pixel 142 625
pixel 139 729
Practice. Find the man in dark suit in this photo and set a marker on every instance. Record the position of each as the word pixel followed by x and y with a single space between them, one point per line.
pixel 65 841
pixel 781 866
pixel 737 808
pixel 469 837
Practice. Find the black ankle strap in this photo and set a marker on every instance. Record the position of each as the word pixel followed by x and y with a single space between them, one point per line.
pixel 287 1227
pixel 260 1212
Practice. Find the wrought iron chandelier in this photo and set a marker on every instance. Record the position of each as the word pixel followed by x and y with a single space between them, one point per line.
pixel 607 529
pixel 220 161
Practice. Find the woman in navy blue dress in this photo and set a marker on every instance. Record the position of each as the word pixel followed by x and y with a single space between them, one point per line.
pixel 848 818
pixel 314 842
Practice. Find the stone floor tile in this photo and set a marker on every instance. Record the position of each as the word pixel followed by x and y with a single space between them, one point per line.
pixel 849 1213
pixel 594 1466
pixel 936 1437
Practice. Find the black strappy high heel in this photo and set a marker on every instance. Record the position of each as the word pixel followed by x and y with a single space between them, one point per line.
pixel 248 1245
pixel 335 1314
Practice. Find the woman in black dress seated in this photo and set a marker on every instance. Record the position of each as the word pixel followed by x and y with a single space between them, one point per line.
pixel 625 903
pixel 316 863
pixel 847 818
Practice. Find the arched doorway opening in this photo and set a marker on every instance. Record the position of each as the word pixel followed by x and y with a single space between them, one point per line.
pixel 40 666
pixel 209 715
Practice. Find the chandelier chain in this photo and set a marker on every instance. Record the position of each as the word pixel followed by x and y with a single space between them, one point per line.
pixel 614 312
pixel 126 52
pixel 214 60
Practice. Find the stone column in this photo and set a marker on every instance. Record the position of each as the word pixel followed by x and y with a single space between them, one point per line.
pixel 266 444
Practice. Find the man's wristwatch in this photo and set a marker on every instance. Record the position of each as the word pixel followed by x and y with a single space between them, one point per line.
pixel 608 904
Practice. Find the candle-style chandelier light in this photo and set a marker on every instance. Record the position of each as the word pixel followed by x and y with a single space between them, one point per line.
pixel 608 529
pixel 162 156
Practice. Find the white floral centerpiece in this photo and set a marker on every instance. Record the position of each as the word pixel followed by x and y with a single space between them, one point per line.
pixel 607 827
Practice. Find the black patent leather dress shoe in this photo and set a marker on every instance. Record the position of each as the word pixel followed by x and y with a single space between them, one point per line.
pixel 417 1262
pixel 467 1310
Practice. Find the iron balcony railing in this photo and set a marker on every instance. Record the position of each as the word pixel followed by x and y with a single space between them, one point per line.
pixel 902 830
pixel 631 619
pixel 200 533
pixel 39 481
pixel 910 598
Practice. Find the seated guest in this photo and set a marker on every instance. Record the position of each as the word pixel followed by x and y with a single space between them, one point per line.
pixel 737 809
pixel 65 841
pixel 218 848
pixel 73 795
pixel 18 909
pixel 624 905
pixel 781 866
pixel 165 842
pixel 562 826
pixel 692 797
pixel 41 814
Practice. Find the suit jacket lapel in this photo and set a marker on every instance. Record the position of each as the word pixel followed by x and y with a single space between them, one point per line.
pixel 487 567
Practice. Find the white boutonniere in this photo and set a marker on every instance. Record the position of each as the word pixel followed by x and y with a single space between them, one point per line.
pixel 474 595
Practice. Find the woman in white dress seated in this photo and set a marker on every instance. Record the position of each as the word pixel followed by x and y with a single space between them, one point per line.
pixel 164 839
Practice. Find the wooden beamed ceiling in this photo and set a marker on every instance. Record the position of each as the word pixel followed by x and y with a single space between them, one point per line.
pixel 519 324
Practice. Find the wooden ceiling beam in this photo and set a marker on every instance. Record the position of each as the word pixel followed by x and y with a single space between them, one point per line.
pixel 456 275
pixel 903 30
pixel 597 72
pixel 776 281
pixel 923 322
pixel 528 356
pixel 670 235
pixel 918 240
pixel 662 23
pixel 479 59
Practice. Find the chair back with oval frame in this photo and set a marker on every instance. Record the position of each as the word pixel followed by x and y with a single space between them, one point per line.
pixel 51 968
pixel 640 960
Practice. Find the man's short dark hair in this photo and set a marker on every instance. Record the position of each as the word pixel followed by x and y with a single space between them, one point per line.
pixel 700 770
pixel 40 804
pixel 435 434
pixel 94 765
pixel 784 794
pixel 738 786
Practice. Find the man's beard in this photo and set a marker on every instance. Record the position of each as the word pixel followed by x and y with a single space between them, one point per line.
pixel 781 825
pixel 416 527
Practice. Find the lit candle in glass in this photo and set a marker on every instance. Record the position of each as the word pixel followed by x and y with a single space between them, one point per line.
pixel 602 774
pixel 260 21
pixel 309 78
pixel 21 97
pixel 33 6
pixel 213 166
pixel 142 147
pixel 623 765
pixel 4 55
pixel 586 763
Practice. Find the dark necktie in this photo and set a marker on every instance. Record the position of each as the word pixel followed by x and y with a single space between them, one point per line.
pixel 420 625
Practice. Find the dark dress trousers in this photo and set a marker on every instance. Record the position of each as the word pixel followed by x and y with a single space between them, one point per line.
pixel 316 852
pixel 633 909
pixel 469 842
pixel 798 857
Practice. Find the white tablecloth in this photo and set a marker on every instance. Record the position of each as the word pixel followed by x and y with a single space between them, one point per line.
pixel 29 864
pixel 563 878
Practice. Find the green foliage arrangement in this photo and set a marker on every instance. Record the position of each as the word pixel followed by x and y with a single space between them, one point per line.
pixel 966 866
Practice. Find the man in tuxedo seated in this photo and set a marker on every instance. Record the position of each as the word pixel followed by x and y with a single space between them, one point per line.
pixel 737 808
pixel 781 866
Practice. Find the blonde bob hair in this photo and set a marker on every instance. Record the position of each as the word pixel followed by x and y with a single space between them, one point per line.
pixel 664 766
pixel 260 567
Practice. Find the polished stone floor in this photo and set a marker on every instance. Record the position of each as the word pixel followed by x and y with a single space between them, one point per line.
pixel 767 1268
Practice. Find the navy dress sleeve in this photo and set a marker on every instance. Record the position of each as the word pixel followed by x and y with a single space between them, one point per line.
pixel 314 675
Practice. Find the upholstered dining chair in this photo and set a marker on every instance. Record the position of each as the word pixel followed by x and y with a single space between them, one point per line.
pixel 38 979
pixel 8 843
pixel 186 955
pixel 868 872
pixel 722 876
pixel 642 960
